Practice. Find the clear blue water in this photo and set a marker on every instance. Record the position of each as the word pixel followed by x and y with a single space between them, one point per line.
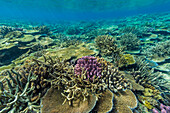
pixel 52 10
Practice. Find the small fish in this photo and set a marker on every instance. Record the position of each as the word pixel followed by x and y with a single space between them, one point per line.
pixel 151 63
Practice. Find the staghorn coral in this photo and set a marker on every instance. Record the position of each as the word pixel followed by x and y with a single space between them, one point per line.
pixel 146 76
pixel 159 52
pixel 16 96
pixel 130 41
pixel 40 72
pixel 107 46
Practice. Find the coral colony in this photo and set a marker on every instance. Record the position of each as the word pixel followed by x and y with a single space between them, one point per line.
pixel 117 66
pixel 90 66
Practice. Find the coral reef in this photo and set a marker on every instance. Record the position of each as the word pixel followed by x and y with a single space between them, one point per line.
pixel 43 29
pixel 70 52
pixel 105 102
pixel 12 34
pixel 114 79
pixel 130 41
pixel 159 52
pixel 16 97
pixel 144 75
pixel 5 29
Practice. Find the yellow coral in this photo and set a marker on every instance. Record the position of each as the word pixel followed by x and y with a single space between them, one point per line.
pixel 148 92
pixel 148 105
pixel 126 59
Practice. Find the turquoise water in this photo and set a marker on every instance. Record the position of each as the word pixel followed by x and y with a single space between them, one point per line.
pixel 84 56
pixel 51 10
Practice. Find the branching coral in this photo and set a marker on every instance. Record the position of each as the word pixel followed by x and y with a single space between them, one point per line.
pixel 160 50
pixel 17 96
pixel 130 41
pixel 107 46
pixel 5 29
pixel 114 80
pixel 144 75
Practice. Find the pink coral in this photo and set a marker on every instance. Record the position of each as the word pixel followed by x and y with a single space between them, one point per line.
pixel 164 109
pixel 89 65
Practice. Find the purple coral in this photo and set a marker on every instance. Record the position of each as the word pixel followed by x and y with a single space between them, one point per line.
pixel 164 109
pixel 90 65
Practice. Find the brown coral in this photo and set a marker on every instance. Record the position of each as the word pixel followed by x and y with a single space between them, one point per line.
pixel 125 101
pixel 105 102
pixel 52 103
pixel 107 46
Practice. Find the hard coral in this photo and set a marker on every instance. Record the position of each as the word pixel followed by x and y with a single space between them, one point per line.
pixel 130 41
pixel 107 45
pixel 164 109
pixel 52 103
pixel 90 66
pixel 16 95
pixel 159 52
pixel 125 101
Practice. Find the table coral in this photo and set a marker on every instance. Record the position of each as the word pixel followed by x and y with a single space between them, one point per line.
pixel 52 103
pixel 125 101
